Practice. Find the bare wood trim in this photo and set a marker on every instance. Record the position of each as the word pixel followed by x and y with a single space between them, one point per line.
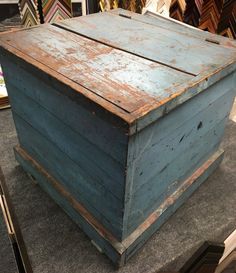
pixel 171 199
pixel 121 247
pixel 182 92
pixel 106 105
pixel 74 203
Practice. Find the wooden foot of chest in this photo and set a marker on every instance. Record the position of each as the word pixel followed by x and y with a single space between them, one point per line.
pixel 118 251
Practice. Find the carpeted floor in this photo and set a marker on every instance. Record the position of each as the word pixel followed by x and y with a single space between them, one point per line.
pixel 56 245
pixel 7 259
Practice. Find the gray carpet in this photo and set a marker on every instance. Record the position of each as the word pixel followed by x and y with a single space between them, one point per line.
pixel 7 259
pixel 56 244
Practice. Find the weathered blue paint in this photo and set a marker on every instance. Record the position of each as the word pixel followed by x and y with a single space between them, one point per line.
pixel 161 155
pixel 172 208
pixel 145 200
pixel 159 20
pixel 118 252
pixel 85 122
pixel 45 183
pixel 164 143
pixel 151 41
pixel 85 155
pixel 76 181
pixel 112 74
pixel 127 122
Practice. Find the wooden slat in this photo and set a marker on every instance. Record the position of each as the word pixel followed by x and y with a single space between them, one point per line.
pixel 167 139
pixel 78 183
pixel 116 76
pixel 106 172
pixel 72 207
pixel 118 252
pixel 158 217
pixel 183 94
pixel 142 102
pixel 152 151
pixel 192 56
pixel 149 197
pixel 176 26
pixel 86 122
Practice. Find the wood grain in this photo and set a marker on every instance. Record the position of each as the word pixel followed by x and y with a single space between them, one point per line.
pixel 118 252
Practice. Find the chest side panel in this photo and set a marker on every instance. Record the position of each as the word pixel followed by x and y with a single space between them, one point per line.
pixel 165 153
pixel 85 153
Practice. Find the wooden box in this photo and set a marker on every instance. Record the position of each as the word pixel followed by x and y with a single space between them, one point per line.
pixel 119 117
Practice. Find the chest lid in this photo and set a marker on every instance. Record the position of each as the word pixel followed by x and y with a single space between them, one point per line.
pixel 132 65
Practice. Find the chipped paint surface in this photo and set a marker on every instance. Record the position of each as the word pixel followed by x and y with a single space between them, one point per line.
pixel 179 51
pixel 125 244
pixel 81 98
pixel 118 77
pixel 138 71
pixel 171 199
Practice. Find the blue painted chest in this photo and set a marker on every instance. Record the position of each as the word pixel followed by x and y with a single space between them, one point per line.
pixel 119 117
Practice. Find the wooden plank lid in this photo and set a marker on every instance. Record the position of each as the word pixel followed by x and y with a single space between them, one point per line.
pixel 179 51
pixel 128 66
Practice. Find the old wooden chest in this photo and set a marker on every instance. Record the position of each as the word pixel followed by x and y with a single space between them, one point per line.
pixel 119 117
